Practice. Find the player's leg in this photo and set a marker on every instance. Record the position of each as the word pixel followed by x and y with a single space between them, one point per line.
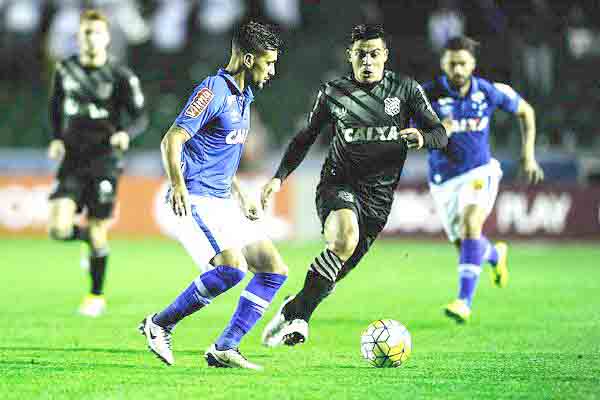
pixel 364 244
pixel 207 236
pixel 270 272
pixel 94 304
pixel 290 332
pixel 99 197
pixel 475 199
pixel 230 268
pixel 61 217
pixel 446 199
pixel 62 209
pixel 495 254
pixel 341 233
pixel 472 249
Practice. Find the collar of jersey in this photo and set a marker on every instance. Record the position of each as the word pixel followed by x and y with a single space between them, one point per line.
pixel 474 86
pixel 247 91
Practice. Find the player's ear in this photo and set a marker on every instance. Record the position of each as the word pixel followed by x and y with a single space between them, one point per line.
pixel 386 54
pixel 249 59
pixel 443 61
pixel 349 55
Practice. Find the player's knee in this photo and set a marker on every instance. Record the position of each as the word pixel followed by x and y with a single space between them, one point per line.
pixel 279 268
pixel 345 243
pixel 231 259
pixel 60 232
pixel 471 229
pixel 98 235
pixel 239 265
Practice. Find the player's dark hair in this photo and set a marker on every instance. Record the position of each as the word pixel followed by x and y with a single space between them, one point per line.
pixel 254 37
pixel 462 43
pixel 93 15
pixel 367 32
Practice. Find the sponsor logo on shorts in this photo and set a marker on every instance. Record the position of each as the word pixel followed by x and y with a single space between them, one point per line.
pixel 199 103
pixel 392 105
pixel 346 196
pixel 105 191
pixel 477 184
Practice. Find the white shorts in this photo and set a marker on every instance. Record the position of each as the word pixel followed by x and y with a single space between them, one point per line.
pixel 478 186
pixel 215 225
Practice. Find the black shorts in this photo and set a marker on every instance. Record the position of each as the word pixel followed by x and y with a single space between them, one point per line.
pixel 95 193
pixel 336 197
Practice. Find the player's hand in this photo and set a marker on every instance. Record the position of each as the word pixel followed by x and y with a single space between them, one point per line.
pixel 413 138
pixel 120 140
pixel 447 122
pixel 250 209
pixel 179 201
pixel 56 149
pixel 532 170
pixel 272 187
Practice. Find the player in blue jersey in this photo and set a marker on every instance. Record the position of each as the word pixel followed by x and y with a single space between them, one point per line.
pixel 201 153
pixel 463 177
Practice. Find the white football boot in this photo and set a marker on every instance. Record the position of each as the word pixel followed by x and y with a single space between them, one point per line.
pixel 159 339
pixel 294 332
pixel 231 358
pixel 92 306
pixel 271 335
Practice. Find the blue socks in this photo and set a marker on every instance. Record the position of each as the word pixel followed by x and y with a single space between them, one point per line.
pixel 252 304
pixel 489 254
pixel 200 293
pixel 469 268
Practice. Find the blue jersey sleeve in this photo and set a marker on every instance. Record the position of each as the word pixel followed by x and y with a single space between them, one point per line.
pixel 205 103
pixel 505 97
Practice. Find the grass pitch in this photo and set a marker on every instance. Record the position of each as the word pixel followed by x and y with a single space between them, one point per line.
pixel 539 338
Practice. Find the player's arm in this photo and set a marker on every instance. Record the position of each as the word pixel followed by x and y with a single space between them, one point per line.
pixel 431 132
pixel 135 120
pixel 526 115
pixel 56 148
pixel 170 148
pixel 508 100
pixel 204 104
pixel 298 147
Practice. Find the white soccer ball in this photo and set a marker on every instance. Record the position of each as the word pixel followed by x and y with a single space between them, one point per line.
pixel 386 344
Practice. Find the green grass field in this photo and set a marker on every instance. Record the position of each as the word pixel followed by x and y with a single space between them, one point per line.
pixel 539 338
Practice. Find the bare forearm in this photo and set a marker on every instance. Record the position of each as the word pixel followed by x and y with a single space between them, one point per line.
pixel 527 127
pixel 171 154
pixel 236 189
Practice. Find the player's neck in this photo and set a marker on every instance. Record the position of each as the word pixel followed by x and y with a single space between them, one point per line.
pixel 462 90
pixel 95 61
pixel 238 73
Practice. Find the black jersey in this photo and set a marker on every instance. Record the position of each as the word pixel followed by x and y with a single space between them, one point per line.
pixel 89 104
pixel 366 151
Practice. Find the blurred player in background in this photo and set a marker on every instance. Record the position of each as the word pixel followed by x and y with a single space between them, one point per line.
pixel 464 178
pixel 370 111
pixel 96 108
pixel 201 153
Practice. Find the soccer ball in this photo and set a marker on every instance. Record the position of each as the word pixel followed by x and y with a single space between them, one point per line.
pixel 386 344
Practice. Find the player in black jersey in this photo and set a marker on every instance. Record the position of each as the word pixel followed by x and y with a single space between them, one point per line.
pixel 96 108
pixel 369 112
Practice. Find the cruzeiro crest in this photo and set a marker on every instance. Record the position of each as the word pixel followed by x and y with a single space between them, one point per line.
pixel 392 105
pixel 339 112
